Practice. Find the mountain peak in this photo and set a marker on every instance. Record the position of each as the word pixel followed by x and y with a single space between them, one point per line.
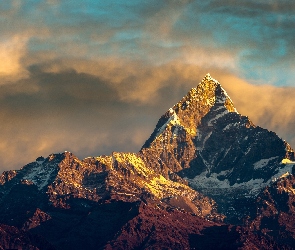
pixel 220 96
pixel 203 97
pixel 204 140
pixel 208 77
pixel 188 112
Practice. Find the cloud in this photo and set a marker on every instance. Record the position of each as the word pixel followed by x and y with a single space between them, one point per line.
pixel 64 111
pixel 140 80
pixel 12 49
pixel 160 23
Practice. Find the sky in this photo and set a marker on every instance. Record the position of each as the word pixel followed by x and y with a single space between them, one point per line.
pixel 92 77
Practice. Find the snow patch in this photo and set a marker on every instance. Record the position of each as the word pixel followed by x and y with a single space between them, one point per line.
pixel 248 150
pixel 216 117
pixel 40 174
pixel 251 187
pixel 263 162
pixel 227 96
pixel 218 108
pixel 203 141
pixel 202 181
pixel 226 152
pixel 231 125
pixel 205 162
pixel 173 120
pixel 287 168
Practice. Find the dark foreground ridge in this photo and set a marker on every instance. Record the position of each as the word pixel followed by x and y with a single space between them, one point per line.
pixel 207 178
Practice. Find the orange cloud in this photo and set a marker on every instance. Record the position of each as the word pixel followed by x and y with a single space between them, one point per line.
pixel 12 49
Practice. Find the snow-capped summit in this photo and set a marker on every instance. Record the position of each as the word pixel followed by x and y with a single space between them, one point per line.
pixel 194 106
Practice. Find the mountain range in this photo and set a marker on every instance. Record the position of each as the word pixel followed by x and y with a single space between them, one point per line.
pixel 206 178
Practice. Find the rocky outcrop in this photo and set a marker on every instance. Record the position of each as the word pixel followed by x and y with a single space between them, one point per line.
pixel 13 238
pixel 275 217
pixel 157 226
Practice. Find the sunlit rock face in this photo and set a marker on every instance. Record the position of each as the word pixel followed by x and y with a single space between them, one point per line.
pixel 220 152
pixel 97 195
pixel 121 176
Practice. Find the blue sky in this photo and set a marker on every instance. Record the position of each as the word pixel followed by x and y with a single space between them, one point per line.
pixel 100 73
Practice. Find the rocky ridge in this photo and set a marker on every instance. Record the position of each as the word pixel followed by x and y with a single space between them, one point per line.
pixel 97 195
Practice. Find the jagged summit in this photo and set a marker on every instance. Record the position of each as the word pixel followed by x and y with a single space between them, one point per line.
pixel 202 98
pixel 189 111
